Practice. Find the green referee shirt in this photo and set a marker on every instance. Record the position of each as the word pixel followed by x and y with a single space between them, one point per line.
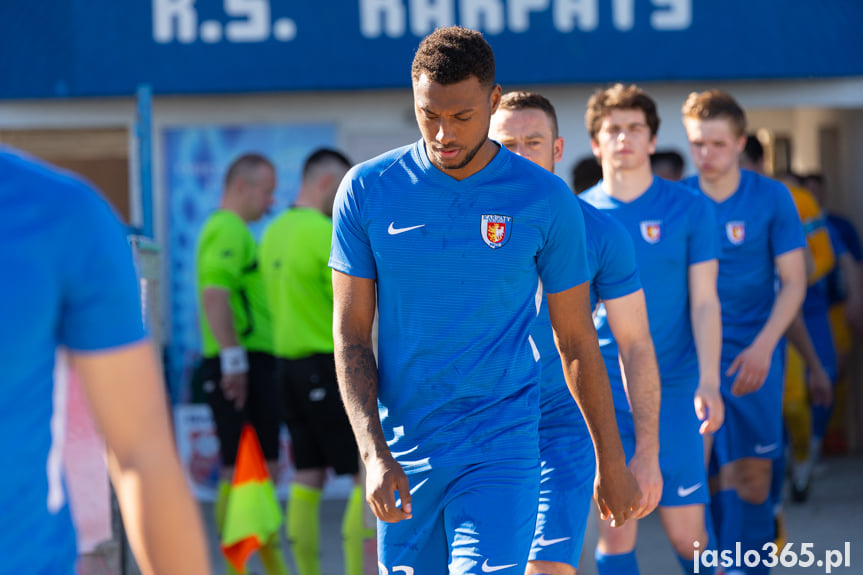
pixel 228 259
pixel 295 252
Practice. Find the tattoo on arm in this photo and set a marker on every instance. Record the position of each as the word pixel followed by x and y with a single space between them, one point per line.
pixel 358 384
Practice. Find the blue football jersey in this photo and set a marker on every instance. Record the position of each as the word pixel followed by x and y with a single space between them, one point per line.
pixel 671 227
pixel 755 225
pixel 457 266
pixel 821 295
pixel 69 281
pixel 843 235
pixel 613 274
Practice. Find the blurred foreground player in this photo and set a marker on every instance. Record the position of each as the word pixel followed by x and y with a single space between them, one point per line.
pixel 70 285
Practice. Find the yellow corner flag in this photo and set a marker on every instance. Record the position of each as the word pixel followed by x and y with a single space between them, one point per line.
pixel 252 515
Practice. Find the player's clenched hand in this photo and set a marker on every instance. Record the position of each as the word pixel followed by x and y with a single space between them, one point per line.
pixel 616 493
pixel 645 468
pixel 709 408
pixel 236 387
pixel 385 477
pixel 751 367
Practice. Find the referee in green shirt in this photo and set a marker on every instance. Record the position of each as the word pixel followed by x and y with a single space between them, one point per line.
pixel 237 370
pixel 295 253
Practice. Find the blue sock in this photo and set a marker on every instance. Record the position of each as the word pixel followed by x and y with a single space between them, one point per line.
pixel 728 519
pixel 623 564
pixel 689 566
pixel 758 530
pixel 821 419
pixel 778 478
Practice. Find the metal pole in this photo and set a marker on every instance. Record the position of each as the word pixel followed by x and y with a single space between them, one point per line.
pixel 145 157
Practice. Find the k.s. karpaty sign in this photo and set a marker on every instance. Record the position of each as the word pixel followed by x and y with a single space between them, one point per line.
pixel 104 47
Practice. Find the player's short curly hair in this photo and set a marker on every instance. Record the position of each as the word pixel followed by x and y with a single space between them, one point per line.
pixel 522 100
pixel 619 97
pixel 453 54
pixel 714 105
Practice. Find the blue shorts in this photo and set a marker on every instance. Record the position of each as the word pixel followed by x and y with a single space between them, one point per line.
pixel 466 519
pixel 681 450
pixel 566 487
pixel 753 422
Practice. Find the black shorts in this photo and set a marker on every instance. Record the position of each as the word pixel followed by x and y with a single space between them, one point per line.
pixel 321 434
pixel 261 409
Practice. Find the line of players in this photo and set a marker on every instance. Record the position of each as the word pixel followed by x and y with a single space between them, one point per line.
pixel 721 236
pixel 693 287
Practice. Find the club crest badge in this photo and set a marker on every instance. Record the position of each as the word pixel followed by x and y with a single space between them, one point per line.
pixel 736 232
pixel 651 231
pixel 496 230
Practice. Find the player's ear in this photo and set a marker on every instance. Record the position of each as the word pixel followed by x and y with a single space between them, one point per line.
pixel 741 144
pixel 558 149
pixel 594 147
pixel 495 97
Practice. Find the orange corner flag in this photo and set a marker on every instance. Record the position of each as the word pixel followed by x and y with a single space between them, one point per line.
pixel 252 515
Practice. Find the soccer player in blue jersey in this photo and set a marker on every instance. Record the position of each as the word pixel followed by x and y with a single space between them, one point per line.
pixel 526 123
pixel 70 294
pixel 676 252
pixel 448 239
pixel 762 242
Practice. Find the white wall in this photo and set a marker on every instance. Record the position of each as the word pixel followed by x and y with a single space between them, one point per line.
pixel 370 122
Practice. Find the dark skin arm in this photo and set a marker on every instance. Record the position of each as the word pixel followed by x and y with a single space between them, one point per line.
pixel 615 489
pixel 353 317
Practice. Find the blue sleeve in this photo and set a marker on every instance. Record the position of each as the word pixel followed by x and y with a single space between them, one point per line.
pixel 703 240
pixel 617 272
pixel 839 245
pixel 562 262
pixel 849 235
pixel 351 252
pixel 786 230
pixel 101 298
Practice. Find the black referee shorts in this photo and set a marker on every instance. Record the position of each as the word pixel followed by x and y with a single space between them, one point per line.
pixel 261 408
pixel 321 434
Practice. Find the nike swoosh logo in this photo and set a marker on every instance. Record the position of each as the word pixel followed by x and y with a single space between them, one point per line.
pixel 486 568
pixel 686 491
pixel 393 231
pixel 543 542
pixel 762 449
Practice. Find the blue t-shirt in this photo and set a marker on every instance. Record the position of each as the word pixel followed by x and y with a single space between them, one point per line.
pixel 756 224
pixel 671 229
pixel 844 234
pixel 457 265
pixel 613 274
pixel 829 289
pixel 846 230
pixel 68 281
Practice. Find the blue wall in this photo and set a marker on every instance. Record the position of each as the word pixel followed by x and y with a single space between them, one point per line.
pixel 51 48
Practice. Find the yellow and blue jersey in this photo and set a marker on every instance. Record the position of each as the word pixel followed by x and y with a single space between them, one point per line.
pixel 69 282
pixel 457 266
pixel 817 236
